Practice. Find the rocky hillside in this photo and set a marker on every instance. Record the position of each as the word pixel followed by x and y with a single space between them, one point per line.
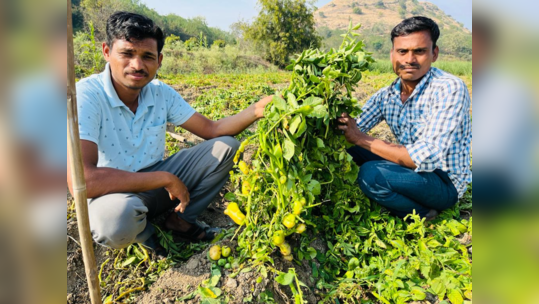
pixel 378 17
pixel 371 13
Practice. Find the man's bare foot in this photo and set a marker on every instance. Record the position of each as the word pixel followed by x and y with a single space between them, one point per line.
pixel 175 223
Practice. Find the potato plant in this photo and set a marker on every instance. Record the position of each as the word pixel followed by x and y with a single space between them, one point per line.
pixel 300 184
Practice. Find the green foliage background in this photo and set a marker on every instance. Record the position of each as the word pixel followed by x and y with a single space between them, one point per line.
pixel 283 28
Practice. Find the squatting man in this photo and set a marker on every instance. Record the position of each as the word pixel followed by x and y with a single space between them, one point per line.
pixel 123 114
pixel 428 111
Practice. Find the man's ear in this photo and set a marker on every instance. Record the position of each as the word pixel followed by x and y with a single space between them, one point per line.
pixel 106 51
pixel 436 52
pixel 160 59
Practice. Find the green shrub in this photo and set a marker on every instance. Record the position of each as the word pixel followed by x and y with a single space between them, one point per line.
pixel 88 55
pixel 180 59
pixel 402 13
pixel 171 39
pixel 192 44
pixel 219 43
pixel 358 11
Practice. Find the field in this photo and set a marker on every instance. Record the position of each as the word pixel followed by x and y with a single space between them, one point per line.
pixel 352 252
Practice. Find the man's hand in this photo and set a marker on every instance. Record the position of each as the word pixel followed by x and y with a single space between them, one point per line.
pixel 177 190
pixel 261 105
pixel 350 130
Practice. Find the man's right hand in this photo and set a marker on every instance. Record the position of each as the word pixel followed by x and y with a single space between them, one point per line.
pixel 177 190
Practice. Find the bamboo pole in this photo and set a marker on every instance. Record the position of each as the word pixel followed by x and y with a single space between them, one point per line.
pixel 77 170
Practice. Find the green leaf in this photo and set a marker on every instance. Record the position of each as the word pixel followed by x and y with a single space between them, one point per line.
pixel 320 143
pixel 314 187
pixel 302 128
pixel 129 261
pixel 288 149
pixel 285 278
pixel 279 103
pixel 438 286
pixel 214 280
pixel 292 101
pixel 353 264
pixel 418 294
pixel 207 292
pixel 189 296
pixel 312 252
pixel 231 197
pixel 306 178
pixel 319 112
pixel 294 124
pixel 455 296
pixel 314 79
pixel 312 101
pixel 278 151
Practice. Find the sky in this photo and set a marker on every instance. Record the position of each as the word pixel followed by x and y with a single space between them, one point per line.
pixel 222 14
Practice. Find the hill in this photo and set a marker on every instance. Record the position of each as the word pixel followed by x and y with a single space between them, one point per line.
pixel 378 18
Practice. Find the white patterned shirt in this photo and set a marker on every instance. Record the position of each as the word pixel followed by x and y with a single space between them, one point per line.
pixel 434 124
pixel 128 141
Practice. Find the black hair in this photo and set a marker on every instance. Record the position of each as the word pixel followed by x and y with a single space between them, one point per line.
pixel 128 26
pixel 414 25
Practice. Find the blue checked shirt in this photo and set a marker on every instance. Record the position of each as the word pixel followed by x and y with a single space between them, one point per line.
pixel 434 124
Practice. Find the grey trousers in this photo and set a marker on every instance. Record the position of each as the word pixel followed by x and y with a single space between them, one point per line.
pixel 121 219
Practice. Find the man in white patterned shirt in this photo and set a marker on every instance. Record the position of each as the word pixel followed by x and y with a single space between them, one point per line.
pixel 427 110
pixel 123 114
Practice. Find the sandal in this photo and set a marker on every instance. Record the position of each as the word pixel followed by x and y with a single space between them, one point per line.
pixel 197 229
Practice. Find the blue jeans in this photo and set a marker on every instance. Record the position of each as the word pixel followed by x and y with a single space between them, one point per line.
pixel 402 190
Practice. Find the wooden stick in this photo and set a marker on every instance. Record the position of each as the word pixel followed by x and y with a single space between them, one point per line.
pixel 77 170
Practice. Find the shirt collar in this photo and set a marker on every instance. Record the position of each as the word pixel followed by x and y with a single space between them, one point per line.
pixel 396 85
pixel 145 98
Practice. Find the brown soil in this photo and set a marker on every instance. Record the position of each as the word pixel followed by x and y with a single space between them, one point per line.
pixel 185 277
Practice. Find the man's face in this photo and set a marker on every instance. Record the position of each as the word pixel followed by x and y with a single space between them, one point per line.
pixel 133 64
pixel 413 55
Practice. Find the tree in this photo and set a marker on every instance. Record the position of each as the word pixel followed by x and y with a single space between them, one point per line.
pixel 402 13
pixel 402 4
pixel 282 28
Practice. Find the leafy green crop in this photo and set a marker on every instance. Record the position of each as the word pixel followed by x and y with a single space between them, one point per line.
pixel 302 174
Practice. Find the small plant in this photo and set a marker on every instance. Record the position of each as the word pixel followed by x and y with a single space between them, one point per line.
pixel 171 39
pixel 192 44
pixel 402 4
pixel 321 14
pixel 402 13
pixel 202 41
pixel 380 4
pixel 89 56
pixel 219 43
pixel 358 11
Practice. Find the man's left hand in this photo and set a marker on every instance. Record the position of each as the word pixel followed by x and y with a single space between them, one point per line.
pixel 349 129
pixel 261 105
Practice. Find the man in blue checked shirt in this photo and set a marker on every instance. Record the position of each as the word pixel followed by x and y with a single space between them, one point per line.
pixel 428 111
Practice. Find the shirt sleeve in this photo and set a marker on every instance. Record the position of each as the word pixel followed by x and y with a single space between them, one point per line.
pixel 178 110
pixel 451 110
pixel 89 109
pixel 371 115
